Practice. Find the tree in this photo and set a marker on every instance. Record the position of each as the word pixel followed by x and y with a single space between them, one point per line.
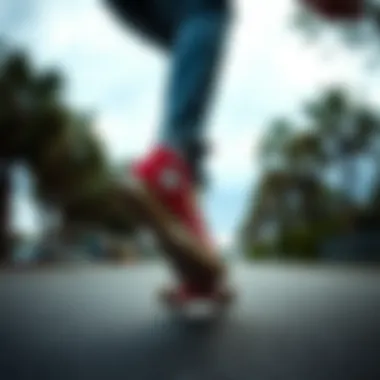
pixel 272 151
pixel 286 184
pixel 57 144
pixel 345 129
pixel 14 75
pixel 294 196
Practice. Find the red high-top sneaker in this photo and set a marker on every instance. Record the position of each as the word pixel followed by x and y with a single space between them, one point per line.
pixel 166 174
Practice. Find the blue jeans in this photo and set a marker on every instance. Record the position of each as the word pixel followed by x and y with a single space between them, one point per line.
pixel 193 33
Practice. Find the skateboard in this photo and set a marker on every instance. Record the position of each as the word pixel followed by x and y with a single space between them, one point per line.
pixel 198 309
pixel 190 260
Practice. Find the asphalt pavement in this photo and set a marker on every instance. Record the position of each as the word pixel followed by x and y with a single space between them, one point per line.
pixel 288 323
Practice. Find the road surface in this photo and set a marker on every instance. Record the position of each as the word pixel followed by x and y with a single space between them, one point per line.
pixel 289 323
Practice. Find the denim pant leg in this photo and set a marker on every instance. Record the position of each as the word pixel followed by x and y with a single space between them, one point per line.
pixel 197 49
pixel 193 33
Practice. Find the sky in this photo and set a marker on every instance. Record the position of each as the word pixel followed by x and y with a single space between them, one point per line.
pixel 269 71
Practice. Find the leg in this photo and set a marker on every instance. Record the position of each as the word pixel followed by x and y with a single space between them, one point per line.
pixel 171 171
pixel 193 32
pixel 197 49
pixel 164 195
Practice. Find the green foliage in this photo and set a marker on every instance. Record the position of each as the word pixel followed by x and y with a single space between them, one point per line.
pixel 336 128
pixel 57 144
pixel 262 251
pixel 274 144
pixel 299 244
pixel 304 242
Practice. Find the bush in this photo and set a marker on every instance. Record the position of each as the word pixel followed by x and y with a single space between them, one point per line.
pixel 261 251
pixel 304 243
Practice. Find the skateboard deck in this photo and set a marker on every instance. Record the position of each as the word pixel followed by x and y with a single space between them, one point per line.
pixel 199 308
pixel 190 259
